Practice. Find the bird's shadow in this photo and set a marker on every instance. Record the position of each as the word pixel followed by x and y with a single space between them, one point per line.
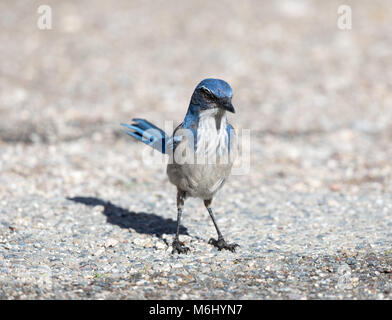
pixel 141 222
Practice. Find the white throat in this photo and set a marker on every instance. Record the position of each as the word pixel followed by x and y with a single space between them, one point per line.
pixel 212 134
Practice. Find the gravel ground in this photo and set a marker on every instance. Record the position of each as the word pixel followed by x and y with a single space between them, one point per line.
pixel 83 217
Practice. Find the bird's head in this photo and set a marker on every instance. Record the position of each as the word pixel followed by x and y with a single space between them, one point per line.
pixel 212 94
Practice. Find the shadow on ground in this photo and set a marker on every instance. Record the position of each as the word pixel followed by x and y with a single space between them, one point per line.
pixel 141 222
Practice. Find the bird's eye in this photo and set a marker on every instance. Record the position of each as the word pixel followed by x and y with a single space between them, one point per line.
pixel 207 92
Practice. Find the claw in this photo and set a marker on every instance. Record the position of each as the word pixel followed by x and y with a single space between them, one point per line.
pixel 222 244
pixel 179 247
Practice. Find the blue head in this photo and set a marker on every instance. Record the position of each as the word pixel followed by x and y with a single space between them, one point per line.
pixel 212 94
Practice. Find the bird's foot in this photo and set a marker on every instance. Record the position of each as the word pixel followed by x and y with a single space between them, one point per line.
pixel 222 244
pixel 179 247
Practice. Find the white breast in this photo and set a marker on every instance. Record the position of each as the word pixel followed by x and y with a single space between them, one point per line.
pixel 210 140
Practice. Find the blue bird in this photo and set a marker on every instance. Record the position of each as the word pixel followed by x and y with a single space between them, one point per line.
pixel 201 150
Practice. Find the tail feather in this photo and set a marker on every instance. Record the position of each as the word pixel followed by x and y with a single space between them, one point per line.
pixel 147 133
pixel 139 132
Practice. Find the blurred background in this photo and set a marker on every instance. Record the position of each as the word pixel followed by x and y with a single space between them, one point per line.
pixel 313 215
pixel 317 99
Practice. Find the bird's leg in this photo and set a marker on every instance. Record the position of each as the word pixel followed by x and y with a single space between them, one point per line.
pixel 178 246
pixel 220 243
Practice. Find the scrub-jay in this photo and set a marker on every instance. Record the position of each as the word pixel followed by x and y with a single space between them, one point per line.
pixel 201 149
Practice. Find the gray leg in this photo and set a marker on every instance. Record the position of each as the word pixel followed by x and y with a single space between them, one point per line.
pixel 178 246
pixel 220 243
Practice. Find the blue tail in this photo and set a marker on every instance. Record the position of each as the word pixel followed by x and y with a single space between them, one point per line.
pixel 146 132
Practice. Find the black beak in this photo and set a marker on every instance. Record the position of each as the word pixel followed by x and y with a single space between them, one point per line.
pixel 228 106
